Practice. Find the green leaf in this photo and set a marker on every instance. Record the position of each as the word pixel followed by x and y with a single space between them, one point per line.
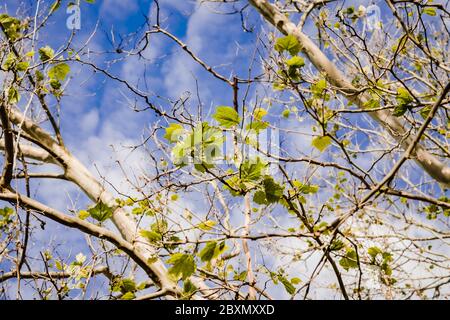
pixel 188 288
pixel 212 250
pixel 321 143
pixel 372 103
pixel 128 296
pixel 273 191
pixel 260 197
pixel 336 245
pixel 286 113
pixel 206 225
pixel 173 132
pixel 59 265
pixel 13 95
pixel 403 98
pixel 429 11
pixel 100 212
pixel 5 216
pixel 425 111
pixel 252 170
pixel 22 66
pixel 226 116
pixel 55 84
pixel 55 6
pixel 349 261
pixel 128 285
pixel 203 166
pixel 90 1
pixel 83 214
pixel 296 280
pixel 240 276
pixel 288 43
pixel 46 53
pixel 39 76
pixel 259 113
pixel 59 72
pixel 400 110
pixel 295 62
pixel 305 188
pixel 319 87
pixel 287 284
pixel 11 26
pixel 160 226
pixel 151 236
pixel 257 125
pixel 374 251
pixel 182 265
pixel 9 61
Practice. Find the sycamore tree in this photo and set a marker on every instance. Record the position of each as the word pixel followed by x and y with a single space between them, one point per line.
pixel 305 156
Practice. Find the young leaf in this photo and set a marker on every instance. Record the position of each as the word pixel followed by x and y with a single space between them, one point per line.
pixel 59 72
pixel 226 116
pixel 429 11
pixel 206 225
pixel 100 212
pixel 257 125
pixel 400 110
pixel 13 95
pixel 260 197
pixel 127 285
pixel 287 284
pixel 321 143
pixel 273 191
pixel 318 88
pixel 374 251
pixel 83 214
pixel 173 132
pixel 11 26
pixel 349 261
pixel 46 53
pixel 240 276
pixel 425 111
pixel 9 61
pixel 252 170
pixel 22 66
pixel 295 62
pixel 128 296
pixel 305 188
pixel 151 236
pixel 188 289
pixel 182 265
pixel 211 251
pixel 288 43
pixel 403 98
pixel 55 6
pixel 259 113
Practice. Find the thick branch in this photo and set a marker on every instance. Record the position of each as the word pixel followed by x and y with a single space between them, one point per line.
pixel 91 229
